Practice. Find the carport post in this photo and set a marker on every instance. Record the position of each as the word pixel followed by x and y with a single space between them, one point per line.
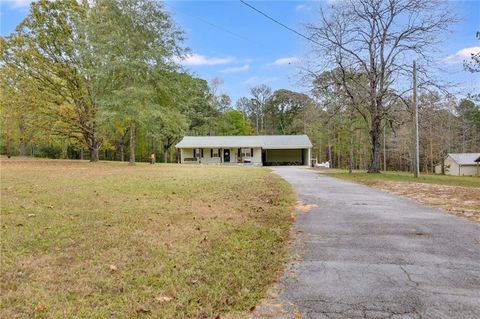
pixel 309 159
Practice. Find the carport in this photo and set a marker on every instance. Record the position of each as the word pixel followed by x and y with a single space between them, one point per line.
pixel 294 156
pixel 286 150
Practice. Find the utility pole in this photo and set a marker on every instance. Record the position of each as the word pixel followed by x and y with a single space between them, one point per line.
pixel 417 155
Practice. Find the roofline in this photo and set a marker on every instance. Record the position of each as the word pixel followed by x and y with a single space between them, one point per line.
pixel 309 145
pixel 244 146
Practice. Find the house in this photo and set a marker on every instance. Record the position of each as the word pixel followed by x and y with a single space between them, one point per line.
pixel 461 164
pixel 255 149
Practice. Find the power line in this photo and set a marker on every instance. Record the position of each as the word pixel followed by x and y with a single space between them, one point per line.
pixel 279 23
pixel 219 27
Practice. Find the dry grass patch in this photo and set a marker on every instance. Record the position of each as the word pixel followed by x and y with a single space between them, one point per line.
pixel 107 240
pixel 458 195
pixel 458 200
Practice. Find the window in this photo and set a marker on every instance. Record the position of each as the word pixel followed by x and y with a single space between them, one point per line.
pixel 214 152
pixel 198 152
pixel 246 152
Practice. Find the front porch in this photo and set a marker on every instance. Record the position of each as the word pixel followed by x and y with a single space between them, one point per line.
pixel 230 155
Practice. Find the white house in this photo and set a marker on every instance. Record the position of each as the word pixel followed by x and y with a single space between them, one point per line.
pixel 461 164
pixel 255 149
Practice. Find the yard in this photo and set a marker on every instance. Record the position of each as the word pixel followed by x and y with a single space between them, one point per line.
pixel 107 240
pixel 458 195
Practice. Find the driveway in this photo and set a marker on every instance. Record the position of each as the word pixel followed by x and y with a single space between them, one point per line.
pixel 369 254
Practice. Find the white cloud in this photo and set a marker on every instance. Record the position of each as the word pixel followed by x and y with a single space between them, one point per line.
pixel 198 59
pixel 254 80
pixel 236 69
pixel 286 61
pixel 16 3
pixel 461 55
pixel 301 7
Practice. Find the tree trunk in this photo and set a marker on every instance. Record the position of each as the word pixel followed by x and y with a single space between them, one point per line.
pixel 121 147
pixel 81 153
pixel 376 145
pixel 7 145
pixel 165 153
pixel 22 148
pixel 94 151
pixel 132 143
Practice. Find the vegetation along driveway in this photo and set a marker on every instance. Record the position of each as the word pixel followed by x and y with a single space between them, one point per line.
pixel 369 254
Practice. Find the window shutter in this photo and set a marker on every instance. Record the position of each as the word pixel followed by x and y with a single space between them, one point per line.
pixel 201 152
pixel 194 152
pixel 211 152
pixel 251 152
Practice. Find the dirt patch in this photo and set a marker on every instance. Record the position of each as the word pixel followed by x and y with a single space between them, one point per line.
pixel 304 208
pixel 458 200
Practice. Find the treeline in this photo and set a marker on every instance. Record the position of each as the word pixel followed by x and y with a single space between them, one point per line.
pixel 340 134
pixel 99 80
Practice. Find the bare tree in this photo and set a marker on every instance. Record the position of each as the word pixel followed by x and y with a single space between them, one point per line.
pixel 378 40
pixel 255 106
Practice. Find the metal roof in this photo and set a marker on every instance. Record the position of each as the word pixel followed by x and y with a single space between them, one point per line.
pixel 465 158
pixel 263 141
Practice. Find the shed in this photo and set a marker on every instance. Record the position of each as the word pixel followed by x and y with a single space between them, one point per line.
pixel 461 164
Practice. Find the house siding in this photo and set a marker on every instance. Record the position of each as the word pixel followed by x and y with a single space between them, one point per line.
pixel 186 153
pixel 454 169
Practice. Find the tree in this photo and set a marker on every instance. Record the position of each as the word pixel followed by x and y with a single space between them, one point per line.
pixel 46 46
pixel 473 65
pixel 378 39
pixel 468 116
pixel 255 106
pixel 133 41
pixel 233 122
pixel 284 107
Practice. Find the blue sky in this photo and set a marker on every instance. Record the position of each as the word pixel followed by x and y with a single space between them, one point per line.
pixel 230 41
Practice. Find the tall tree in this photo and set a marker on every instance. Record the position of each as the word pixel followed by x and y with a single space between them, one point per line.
pixel 133 41
pixel 233 122
pixel 46 46
pixel 255 106
pixel 378 38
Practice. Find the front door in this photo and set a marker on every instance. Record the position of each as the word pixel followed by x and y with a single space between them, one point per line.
pixel 226 156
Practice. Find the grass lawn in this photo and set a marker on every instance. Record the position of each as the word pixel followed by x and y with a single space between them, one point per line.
pixel 458 195
pixel 408 177
pixel 105 240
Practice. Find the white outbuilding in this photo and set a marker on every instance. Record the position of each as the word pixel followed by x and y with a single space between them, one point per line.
pixel 461 164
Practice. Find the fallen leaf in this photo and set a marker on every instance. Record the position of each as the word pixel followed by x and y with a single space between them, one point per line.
pixel 50 206
pixel 194 280
pixel 143 310
pixel 19 225
pixel 40 307
pixel 113 267
pixel 31 215
pixel 163 298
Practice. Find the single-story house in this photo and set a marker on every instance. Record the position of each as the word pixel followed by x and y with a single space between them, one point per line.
pixel 461 164
pixel 255 149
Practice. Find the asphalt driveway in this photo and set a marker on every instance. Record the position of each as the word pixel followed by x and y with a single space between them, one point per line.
pixel 369 254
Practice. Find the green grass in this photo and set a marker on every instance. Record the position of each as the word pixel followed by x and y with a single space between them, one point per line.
pixel 105 240
pixel 408 177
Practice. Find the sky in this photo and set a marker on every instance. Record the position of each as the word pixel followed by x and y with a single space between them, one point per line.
pixel 230 41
